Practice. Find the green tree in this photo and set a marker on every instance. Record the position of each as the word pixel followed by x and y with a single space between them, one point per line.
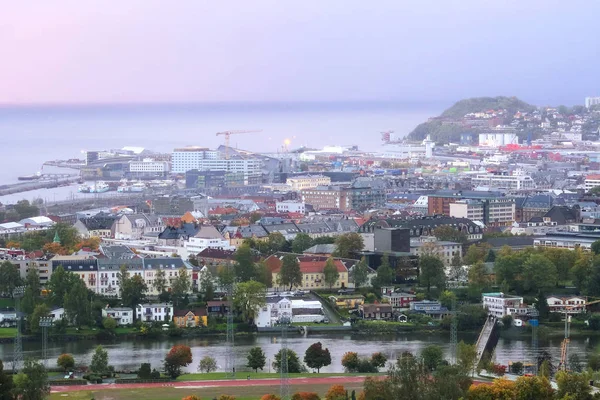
pixel 447 298
pixel 290 274
pixel 256 359
pixel 330 272
pixel 244 264
pixel 249 297
pixel 385 273
pixel 360 273
pixel 541 304
pixel 316 357
pixel 476 252
pixel 593 279
pixel 301 242
pixel 406 379
pixel 99 364
pixel 133 289
pixel 564 260
pixel 348 244
pixel 533 388
pixel 448 233
pixel 109 324
pixel 582 270
pixel 573 386
pixel 207 364
pixel 508 266
pixel 539 273
pixel 350 361
pixel 225 275
pixel 277 242
pixel 491 256
pixel 179 356
pixel 264 274
pixel 66 362
pixel 180 287
pixel 32 382
pixel 77 305
pixel 160 281
pixel 31 297
pixel 6 384
pixel 431 272
pixel 456 271
pixel 466 357
pixel 448 383
pixel 9 277
pixel 40 310
pixel 145 371
pixel 24 209
pixel 294 364
pixel 596 247
pixel 59 284
pixel 378 360
pixel 433 356
pixel 478 275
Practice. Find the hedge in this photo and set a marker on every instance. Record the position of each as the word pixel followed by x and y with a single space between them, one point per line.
pixel 67 382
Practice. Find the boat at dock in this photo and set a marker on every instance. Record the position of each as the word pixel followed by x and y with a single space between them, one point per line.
pixel 99 187
pixel 33 177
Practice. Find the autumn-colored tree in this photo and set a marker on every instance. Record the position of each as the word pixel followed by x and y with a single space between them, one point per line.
pixel 92 243
pixel 501 389
pixel 179 356
pixel 192 397
pixel 65 361
pixel 13 244
pixel 270 397
pixel 533 387
pixel 336 392
pixel 54 248
pixel 226 397
pixel 350 361
pixel 305 396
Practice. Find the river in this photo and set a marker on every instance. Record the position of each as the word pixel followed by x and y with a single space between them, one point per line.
pixel 129 354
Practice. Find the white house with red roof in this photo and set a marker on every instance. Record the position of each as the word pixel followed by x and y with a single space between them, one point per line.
pixel 312 274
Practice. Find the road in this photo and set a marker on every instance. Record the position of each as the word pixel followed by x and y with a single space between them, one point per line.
pixel 208 384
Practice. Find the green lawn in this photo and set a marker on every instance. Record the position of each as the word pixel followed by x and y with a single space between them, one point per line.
pixel 8 332
pixel 172 393
pixel 215 376
pixel 314 324
pixel 81 331
pixel 6 303
pixel 124 331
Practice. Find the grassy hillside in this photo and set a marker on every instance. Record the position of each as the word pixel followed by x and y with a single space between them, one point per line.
pixel 445 133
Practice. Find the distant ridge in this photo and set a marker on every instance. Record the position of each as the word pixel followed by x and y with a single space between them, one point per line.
pixel 443 130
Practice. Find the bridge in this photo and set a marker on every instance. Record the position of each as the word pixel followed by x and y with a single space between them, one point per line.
pixel 485 336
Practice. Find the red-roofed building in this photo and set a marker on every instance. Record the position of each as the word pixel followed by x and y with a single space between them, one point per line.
pixel 312 273
pixel 591 181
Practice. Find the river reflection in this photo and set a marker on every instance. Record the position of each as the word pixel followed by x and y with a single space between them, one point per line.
pixel 130 354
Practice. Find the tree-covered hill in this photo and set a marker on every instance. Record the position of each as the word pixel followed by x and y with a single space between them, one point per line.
pixel 443 130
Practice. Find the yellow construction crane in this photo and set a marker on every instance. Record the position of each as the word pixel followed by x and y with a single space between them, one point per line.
pixel 564 347
pixel 229 133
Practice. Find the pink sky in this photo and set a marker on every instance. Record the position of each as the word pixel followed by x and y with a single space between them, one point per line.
pixel 90 51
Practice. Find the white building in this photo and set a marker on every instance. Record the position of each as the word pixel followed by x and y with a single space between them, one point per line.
pixel 471 209
pixel 154 312
pixel 208 237
pixel 148 166
pixel 516 182
pixel 496 139
pixel 591 181
pixel 498 304
pixel 297 310
pixel 298 183
pixel 429 245
pixel 290 206
pixel 569 304
pixel 123 315
pixel 57 314
pixel 591 101
pixel 202 159
pixel 36 222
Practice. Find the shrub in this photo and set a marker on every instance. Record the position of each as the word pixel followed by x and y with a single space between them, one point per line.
pixel 350 361
pixel 154 374
pixel 336 392
pixel 192 397
pixel 144 372
pixel 65 361
pixel 516 368
pixel 305 396
pixel 270 397
pixel 498 369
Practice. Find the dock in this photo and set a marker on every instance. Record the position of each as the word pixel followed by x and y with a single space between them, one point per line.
pixel 45 181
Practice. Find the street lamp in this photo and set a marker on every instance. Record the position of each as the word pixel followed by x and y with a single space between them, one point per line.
pixel 18 293
pixel 45 323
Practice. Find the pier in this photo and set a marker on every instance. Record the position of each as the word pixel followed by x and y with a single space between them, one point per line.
pixel 45 181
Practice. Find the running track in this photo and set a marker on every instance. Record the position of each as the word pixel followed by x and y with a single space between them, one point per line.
pixel 206 384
